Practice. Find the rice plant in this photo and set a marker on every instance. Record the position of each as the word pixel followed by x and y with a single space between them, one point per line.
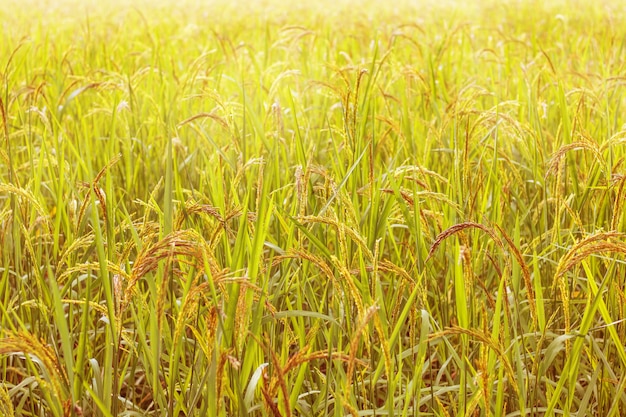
pixel 342 208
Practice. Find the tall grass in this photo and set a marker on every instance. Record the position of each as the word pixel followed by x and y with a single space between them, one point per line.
pixel 319 210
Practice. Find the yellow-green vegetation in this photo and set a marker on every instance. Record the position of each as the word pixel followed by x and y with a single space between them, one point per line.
pixel 343 208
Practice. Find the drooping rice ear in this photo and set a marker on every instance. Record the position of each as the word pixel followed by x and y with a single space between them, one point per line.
pixel 29 344
pixel 6 407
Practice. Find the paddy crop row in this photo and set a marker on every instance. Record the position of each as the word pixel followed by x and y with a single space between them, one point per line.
pixel 308 210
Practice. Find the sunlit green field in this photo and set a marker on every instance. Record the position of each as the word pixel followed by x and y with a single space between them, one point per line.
pixel 335 209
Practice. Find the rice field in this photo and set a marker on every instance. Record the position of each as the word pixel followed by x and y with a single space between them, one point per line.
pixel 343 208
